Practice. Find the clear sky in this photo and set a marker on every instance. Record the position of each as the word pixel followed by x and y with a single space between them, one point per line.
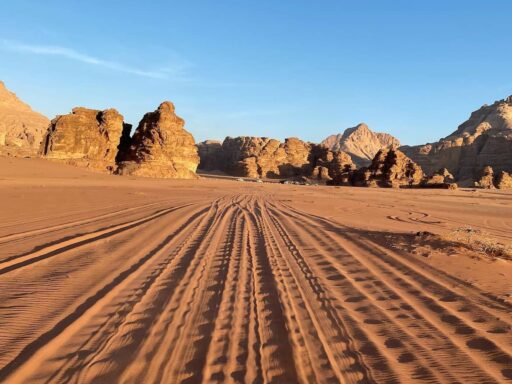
pixel 276 68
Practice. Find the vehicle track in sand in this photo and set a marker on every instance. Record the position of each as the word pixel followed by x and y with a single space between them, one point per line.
pixel 240 289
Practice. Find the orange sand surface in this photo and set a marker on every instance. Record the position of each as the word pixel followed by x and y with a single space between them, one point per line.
pixel 108 279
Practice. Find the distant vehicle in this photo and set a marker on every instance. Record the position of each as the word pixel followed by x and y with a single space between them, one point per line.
pixel 240 179
pixel 259 181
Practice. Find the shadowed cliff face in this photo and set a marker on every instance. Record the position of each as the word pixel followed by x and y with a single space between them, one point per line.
pixel 160 147
pixel 86 137
pixel 21 129
pixel 361 143
pixel 485 139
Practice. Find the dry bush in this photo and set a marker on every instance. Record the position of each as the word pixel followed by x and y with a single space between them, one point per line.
pixel 479 241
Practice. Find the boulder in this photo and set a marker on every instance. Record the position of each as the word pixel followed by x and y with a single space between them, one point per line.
pixel 503 180
pixel 487 179
pixel 85 137
pixel 484 139
pixel 160 147
pixel 442 178
pixel 361 143
pixel 21 128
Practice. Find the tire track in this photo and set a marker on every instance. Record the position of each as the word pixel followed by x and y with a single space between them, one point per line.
pixel 476 340
pixel 238 289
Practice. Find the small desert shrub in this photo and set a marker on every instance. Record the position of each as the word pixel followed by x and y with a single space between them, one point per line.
pixel 479 241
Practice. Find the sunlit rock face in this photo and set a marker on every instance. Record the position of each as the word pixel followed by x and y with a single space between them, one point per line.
pixel 485 139
pixel 160 147
pixel 389 168
pixel 21 129
pixel 361 143
pixel 264 157
pixel 86 138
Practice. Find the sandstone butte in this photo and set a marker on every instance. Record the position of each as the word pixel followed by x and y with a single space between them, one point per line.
pixel 86 138
pixel 485 139
pixel 160 147
pixel 361 143
pixel 21 128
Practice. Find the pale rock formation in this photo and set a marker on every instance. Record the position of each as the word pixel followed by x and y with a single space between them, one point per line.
pixel 86 137
pixel 361 143
pixel 21 128
pixel 160 147
pixel 484 139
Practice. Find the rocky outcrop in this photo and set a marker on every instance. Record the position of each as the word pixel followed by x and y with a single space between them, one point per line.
pixel 389 168
pixel 487 179
pixel 21 129
pixel 503 180
pixel 442 178
pixel 86 137
pixel 160 147
pixel 484 139
pixel 330 166
pixel 263 157
pixel 490 180
pixel 211 155
pixel 361 143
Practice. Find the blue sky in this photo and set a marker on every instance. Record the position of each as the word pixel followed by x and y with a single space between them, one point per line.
pixel 415 69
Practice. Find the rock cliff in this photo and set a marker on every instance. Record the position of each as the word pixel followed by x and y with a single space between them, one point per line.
pixel 211 155
pixel 361 143
pixel 86 137
pixel 263 157
pixel 160 147
pixel 21 129
pixel 485 139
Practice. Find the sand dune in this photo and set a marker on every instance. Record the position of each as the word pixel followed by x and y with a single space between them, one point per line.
pixel 111 280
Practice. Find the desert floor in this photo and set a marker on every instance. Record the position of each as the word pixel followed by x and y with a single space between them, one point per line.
pixel 107 279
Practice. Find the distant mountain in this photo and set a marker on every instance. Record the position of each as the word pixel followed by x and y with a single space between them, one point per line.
pixel 361 143
pixel 485 139
pixel 21 129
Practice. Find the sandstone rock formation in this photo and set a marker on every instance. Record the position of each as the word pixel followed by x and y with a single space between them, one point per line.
pixel 389 168
pixel 211 155
pixel 160 147
pixel 442 178
pixel 487 179
pixel 85 137
pixel 263 157
pixel 503 180
pixel 484 139
pixel 361 143
pixel 21 129
pixel 330 166
pixel 490 180
pixel 258 157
